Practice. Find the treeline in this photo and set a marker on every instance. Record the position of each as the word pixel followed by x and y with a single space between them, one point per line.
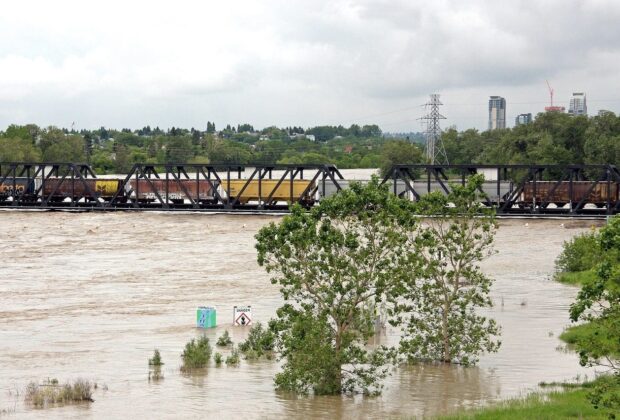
pixel 115 151
pixel 553 138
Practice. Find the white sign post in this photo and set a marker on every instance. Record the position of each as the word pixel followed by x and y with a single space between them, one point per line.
pixel 242 315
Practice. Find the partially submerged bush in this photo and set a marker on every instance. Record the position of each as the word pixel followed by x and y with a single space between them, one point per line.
pixel 196 353
pixel 218 359
pixel 156 359
pixel 42 395
pixel 579 254
pixel 233 358
pixel 259 342
pixel 224 340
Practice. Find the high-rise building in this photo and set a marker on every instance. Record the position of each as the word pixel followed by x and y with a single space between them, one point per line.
pixel 523 119
pixel 497 113
pixel 578 104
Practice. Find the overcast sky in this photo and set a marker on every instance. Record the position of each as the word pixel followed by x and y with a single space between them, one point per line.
pixel 285 62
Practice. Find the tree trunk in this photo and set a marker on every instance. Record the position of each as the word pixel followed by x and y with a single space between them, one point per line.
pixel 445 333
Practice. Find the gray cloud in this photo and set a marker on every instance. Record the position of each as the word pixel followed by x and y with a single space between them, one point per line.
pixel 299 62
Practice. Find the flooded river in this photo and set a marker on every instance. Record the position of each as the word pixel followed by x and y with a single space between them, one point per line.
pixel 91 295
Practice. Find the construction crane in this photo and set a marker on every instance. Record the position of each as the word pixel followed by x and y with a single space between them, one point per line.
pixel 552 108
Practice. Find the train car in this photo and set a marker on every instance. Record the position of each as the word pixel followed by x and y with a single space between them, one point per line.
pixel 58 189
pixel 144 190
pixel 21 187
pixel 268 187
pixel 562 195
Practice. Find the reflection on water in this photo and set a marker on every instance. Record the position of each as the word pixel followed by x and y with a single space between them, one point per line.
pixel 91 295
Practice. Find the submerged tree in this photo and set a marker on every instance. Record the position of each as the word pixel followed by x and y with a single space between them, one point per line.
pixel 441 322
pixel 335 264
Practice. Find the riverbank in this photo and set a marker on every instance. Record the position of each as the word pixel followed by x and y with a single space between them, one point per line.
pixel 564 404
pixel 576 278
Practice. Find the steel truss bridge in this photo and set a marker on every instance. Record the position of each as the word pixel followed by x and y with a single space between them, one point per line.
pixel 526 190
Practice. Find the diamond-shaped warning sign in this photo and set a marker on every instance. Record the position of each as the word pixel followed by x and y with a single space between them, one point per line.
pixel 242 315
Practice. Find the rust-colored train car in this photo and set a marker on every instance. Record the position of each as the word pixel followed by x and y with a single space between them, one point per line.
pixel 144 191
pixel 58 189
pixel 562 194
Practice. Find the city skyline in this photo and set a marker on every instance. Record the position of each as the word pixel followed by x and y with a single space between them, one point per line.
pixel 299 63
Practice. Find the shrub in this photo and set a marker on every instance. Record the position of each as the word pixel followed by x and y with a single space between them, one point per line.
pixel 580 253
pixel 233 358
pixel 224 340
pixel 196 353
pixel 156 359
pixel 259 341
pixel 218 359
pixel 52 393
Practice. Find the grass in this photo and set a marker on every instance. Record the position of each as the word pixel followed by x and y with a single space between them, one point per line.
pixel 576 277
pixel 51 393
pixel 592 335
pixel 196 354
pixel 572 404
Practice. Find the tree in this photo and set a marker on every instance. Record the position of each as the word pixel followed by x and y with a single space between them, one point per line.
pixel 396 152
pixel 18 150
pixel 58 147
pixel 335 264
pixel 598 305
pixel 179 148
pixel 448 286
pixel 25 132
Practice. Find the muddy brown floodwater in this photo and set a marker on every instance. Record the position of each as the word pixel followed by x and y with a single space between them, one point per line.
pixel 91 295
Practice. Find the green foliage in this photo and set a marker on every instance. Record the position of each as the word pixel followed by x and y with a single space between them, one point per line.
pixel 595 336
pixel 443 295
pixel 332 264
pixel 259 341
pixel 50 393
pixel 605 394
pixel 576 277
pixel 598 305
pixel 581 253
pixel 218 359
pixel 396 152
pixel 196 354
pixel 18 150
pixel 224 340
pixel 552 138
pixel 233 358
pixel 557 405
pixel 156 359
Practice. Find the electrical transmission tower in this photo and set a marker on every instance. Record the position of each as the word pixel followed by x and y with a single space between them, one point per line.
pixel 435 152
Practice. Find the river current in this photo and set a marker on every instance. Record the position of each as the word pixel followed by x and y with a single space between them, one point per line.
pixel 91 295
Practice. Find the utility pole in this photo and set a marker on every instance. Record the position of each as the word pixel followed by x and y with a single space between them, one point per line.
pixel 435 152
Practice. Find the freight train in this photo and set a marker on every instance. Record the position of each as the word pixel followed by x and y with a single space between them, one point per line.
pixel 154 190
pixel 270 191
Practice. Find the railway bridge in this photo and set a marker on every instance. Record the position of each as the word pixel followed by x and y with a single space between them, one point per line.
pixel 525 190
